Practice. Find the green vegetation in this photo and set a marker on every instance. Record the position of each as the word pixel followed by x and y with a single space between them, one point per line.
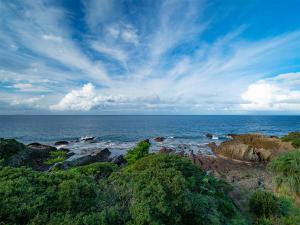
pixel 286 169
pixel 141 150
pixel 10 147
pixel 267 209
pixel 156 189
pixel 152 189
pixel 56 156
pixel 264 204
pixel 293 137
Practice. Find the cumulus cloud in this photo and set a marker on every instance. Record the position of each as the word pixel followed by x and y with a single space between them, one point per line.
pixel 83 99
pixel 278 93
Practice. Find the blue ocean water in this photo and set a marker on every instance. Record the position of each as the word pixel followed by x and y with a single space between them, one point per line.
pixel 122 132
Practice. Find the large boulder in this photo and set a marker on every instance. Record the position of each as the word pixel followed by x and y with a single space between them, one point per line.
pixel 34 156
pixel 17 154
pixel 251 147
pixel 99 156
pixel 10 147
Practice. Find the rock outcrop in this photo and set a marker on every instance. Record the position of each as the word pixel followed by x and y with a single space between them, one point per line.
pixel 61 143
pixel 159 139
pixel 251 147
pixel 166 150
pixel 100 156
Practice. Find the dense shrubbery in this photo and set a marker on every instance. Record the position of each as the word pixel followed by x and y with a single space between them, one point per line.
pixel 141 150
pixel 10 147
pixel 286 169
pixel 157 189
pixel 293 137
pixel 56 156
pixel 268 209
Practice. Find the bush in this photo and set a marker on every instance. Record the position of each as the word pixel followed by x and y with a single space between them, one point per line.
pixel 168 189
pixel 56 156
pixel 293 137
pixel 156 189
pixel 97 170
pixel 141 150
pixel 9 147
pixel 286 169
pixel 264 204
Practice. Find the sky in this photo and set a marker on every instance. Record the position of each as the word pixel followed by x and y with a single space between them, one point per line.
pixel 150 57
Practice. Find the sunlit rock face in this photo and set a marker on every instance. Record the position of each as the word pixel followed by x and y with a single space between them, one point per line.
pixel 252 147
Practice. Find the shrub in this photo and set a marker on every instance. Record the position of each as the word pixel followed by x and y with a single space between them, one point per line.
pixel 56 156
pixel 9 147
pixel 168 189
pixel 156 189
pixel 286 169
pixel 97 170
pixel 293 137
pixel 141 150
pixel 263 204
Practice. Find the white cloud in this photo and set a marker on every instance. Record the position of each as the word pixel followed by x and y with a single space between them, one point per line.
pixel 274 94
pixel 125 32
pixel 52 38
pixel 114 53
pixel 83 99
pixel 32 102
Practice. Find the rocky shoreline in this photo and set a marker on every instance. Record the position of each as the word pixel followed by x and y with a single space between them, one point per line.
pixel 240 159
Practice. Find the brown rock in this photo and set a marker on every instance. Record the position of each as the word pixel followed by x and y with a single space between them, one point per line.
pixel 251 147
pixel 166 150
pixel 159 139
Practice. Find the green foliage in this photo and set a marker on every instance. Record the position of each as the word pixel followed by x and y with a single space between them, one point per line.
pixel 156 189
pixel 97 170
pixel 26 194
pixel 264 204
pixel 56 156
pixel 141 150
pixel 168 189
pixel 286 169
pixel 9 147
pixel 271 210
pixel 293 137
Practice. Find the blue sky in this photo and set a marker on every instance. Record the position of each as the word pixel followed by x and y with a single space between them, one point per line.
pixel 150 57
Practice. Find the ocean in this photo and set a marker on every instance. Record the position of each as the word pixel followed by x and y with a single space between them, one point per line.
pixel 120 133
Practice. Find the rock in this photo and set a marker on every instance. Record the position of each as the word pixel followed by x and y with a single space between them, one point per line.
pixel 40 150
pixel 181 153
pixel 208 135
pixel 205 162
pixel 10 147
pixel 159 139
pixel 166 150
pixel 119 160
pixel 61 143
pixel 87 138
pixel 101 156
pixel 251 147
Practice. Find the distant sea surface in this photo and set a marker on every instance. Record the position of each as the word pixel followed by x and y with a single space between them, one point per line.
pixel 120 133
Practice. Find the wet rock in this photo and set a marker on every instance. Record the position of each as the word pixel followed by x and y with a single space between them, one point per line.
pixel 101 156
pixel 183 146
pixel 159 139
pixel 208 135
pixel 61 143
pixel 119 160
pixel 88 139
pixel 166 150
